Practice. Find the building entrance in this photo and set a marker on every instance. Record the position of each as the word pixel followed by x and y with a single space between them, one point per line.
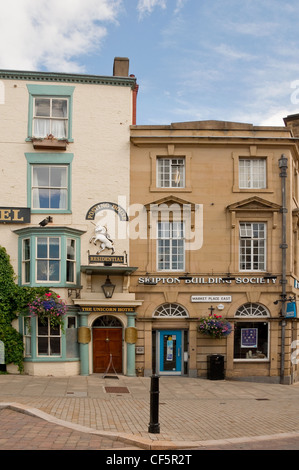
pixel 170 355
pixel 107 344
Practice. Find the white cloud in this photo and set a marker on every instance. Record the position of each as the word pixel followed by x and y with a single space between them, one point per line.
pixel 51 34
pixel 147 6
pixel 232 54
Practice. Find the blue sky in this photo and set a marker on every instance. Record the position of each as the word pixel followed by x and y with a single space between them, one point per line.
pixel 193 59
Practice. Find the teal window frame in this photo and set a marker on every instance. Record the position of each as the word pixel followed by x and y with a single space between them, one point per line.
pixel 30 331
pixel 48 159
pixel 50 91
pixel 64 234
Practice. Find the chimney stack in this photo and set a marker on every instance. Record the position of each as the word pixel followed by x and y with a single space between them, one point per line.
pixel 292 123
pixel 121 67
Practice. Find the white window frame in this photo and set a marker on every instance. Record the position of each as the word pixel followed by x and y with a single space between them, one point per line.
pixel 51 118
pixel 49 336
pixel 174 249
pixel 253 313
pixel 26 261
pixel 71 262
pixel 51 189
pixel 166 169
pixel 252 173
pixel 252 246
pixel 48 260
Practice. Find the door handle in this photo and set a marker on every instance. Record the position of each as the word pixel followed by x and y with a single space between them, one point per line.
pixel 179 352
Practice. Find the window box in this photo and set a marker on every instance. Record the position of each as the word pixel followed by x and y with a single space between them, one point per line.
pixel 49 143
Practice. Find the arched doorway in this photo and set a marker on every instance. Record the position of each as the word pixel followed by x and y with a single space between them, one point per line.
pixel 107 344
pixel 170 340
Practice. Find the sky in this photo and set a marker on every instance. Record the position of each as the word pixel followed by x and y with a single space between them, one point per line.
pixel 194 60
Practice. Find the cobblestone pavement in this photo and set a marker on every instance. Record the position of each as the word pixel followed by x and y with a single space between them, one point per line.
pixel 115 412
pixel 19 431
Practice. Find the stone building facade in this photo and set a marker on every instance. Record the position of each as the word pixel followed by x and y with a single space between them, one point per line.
pixel 218 206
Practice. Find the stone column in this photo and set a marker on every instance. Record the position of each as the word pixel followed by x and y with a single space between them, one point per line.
pixel 84 339
pixel 131 342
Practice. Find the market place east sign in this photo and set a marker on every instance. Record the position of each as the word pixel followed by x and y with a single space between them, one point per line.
pixel 14 215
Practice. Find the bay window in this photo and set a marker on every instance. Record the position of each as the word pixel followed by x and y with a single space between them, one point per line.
pixel 49 256
pixel 48 339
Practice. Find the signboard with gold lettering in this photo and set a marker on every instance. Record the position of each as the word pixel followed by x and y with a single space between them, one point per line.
pixel 106 259
pixel 102 206
pixel 14 215
pixel 107 309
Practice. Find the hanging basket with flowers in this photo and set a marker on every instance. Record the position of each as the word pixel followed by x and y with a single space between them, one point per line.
pixel 214 326
pixel 50 307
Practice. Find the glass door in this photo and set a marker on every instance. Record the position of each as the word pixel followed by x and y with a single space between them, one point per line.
pixel 170 352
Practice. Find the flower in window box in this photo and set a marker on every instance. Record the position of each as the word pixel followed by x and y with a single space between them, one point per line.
pixel 50 307
pixel 214 326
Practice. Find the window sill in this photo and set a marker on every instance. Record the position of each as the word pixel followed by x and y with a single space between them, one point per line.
pixel 154 189
pixel 253 359
pixel 49 144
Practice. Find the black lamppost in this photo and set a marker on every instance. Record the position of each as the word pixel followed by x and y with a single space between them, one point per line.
pixel 108 288
pixel 283 165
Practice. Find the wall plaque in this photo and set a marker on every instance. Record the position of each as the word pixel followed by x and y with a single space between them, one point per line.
pixel 131 335
pixel 84 335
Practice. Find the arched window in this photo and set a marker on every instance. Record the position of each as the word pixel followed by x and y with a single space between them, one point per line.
pixel 107 321
pixel 170 310
pixel 252 310
pixel 251 333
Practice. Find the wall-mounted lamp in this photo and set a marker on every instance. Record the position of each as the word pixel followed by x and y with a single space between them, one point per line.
pixel 46 221
pixel 108 288
pixel 269 276
pixel 285 299
pixel 228 278
pixel 149 282
pixel 186 277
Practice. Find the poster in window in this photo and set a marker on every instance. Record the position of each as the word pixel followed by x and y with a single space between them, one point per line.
pixel 249 338
pixel 169 353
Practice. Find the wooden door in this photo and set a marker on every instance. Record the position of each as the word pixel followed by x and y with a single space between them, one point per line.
pixel 107 342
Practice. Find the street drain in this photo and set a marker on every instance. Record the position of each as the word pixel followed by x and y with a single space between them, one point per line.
pixel 262 399
pixel 77 394
pixel 116 390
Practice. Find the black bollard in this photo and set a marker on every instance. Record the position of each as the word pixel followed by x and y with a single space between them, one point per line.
pixel 154 426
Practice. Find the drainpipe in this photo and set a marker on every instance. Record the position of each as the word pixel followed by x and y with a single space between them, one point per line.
pixel 283 165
